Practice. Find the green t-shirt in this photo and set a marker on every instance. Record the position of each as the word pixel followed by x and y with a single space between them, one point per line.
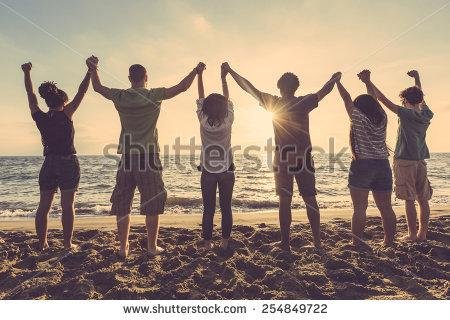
pixel 139 112
pixel 412 130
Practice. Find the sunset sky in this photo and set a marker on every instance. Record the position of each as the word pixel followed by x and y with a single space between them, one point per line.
pixel 260 39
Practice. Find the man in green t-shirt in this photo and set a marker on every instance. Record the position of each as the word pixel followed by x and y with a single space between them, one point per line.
pixel 410 168
pixel 140 166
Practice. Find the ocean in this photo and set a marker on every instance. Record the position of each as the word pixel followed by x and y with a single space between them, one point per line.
pixel 254 189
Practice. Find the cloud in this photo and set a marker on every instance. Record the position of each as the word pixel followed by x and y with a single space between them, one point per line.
pixel 201 24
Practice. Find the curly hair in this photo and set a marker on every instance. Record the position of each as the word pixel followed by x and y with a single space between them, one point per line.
pixel 215 108
pixel 412 95
pixel 288 82
pixel 53 96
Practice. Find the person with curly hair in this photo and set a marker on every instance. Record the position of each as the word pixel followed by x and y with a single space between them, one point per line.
pixel 411 151
pixel 60 168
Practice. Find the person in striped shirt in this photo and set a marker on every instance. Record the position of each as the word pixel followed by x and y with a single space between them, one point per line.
pixel 370 169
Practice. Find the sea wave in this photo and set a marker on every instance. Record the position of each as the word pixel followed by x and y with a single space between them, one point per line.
pixel 254 190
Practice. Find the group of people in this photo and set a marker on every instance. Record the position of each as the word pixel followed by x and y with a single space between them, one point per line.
pixel 140 165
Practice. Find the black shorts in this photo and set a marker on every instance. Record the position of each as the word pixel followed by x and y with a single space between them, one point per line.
pixel 370 174
pixel 61 172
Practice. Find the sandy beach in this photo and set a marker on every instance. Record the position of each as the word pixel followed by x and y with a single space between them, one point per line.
pixel 252 269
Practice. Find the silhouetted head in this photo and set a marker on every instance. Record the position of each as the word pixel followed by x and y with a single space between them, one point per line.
pixel 371 108
pixel 215 108
pixel 411 96
pixel 137 74
pixel 54 97
pixel 288 84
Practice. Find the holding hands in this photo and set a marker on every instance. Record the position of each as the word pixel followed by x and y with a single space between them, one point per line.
pixel 337 76
pixel 92 62
pixel 224 70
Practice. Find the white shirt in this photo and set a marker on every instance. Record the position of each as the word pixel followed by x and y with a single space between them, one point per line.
pixel 216 155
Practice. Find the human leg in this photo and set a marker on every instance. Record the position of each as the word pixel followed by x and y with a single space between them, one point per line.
pixel 226 185
pixel 384 204
pixel 360 203
pixel 41 218
pixel 68 216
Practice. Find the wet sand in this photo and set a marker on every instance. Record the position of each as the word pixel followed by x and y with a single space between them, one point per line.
pixel 253 269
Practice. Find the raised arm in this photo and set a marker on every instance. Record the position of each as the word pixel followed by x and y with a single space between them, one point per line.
pixel 348 102
pixel 415 75
pixel 223 76
pixel 32 100
pixel 364 76
pixel 73 105
pixel 201 89
pixel 184 84
pixel 328 86
pixel 92 63
pixel 244 83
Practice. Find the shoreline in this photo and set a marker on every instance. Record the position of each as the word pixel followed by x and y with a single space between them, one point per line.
pixel 193 220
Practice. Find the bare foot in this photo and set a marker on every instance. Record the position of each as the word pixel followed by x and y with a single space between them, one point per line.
pixel 204 245
pixel 123 251
pixel 422 236
pixel 43 247
pixel 318 245
pixel 155 251
pixel 388 244
pixel 409 238
pixel 71 247
pixel 224 244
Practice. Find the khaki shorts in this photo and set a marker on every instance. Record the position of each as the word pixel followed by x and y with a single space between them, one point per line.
pixel 303 172
pixel 145 173
pixel 411 180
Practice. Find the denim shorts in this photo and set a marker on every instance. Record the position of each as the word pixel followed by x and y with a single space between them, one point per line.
pixel 370 174
pixel 61 172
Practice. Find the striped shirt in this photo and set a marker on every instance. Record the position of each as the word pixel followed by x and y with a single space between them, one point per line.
pixel 368 140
